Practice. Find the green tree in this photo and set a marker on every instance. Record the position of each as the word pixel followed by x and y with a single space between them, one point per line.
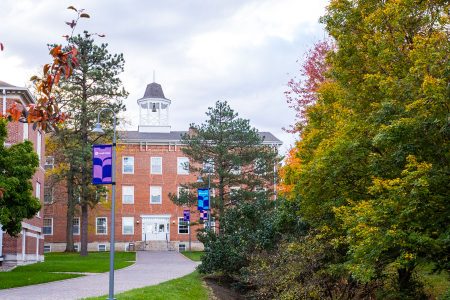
pixel 94 85
pixel 233 153
pixel 18 164
pixel 374 174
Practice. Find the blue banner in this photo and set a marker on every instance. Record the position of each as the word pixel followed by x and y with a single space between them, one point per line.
pixel 101 164
pixel 203 199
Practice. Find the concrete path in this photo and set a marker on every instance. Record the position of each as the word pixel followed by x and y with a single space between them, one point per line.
pixel 150 268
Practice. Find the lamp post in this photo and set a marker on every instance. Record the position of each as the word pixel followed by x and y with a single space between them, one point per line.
pixel 200 180
pixel 98 129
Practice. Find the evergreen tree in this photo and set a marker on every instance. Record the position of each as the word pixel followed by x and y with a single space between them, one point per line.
pixel 233 154
pixel 94 85
pixel 18 164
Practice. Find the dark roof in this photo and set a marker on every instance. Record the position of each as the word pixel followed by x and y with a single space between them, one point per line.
pixel 175 136
pixel 5 84
pixel 154 90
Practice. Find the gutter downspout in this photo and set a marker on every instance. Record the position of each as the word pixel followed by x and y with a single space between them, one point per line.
pixel 4 103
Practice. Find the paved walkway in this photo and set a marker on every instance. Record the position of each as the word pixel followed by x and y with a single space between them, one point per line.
pixel 150 268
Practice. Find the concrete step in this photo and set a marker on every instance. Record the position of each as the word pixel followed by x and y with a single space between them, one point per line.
pixel 155 246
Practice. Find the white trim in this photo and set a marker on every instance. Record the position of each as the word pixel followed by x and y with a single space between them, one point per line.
pixel 182 160
pixel 49 246
pixel 155 216
pixel 154 189
pixel 51 227
pixel 188 227
pixel 79 225
pixel 96 227
pixel 31 227
pixel 98 247
pixel 35 235
pixel 123 225
pixel 123 165
pixel 151 165
pixel 130 188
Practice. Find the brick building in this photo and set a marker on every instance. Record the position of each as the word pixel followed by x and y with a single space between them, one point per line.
pixel 28 246
pixel 150 165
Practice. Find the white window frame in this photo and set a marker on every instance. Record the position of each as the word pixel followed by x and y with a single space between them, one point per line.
pixel 181 246
pixel 51 226
pixel 208 166
pixel 49 162
pixel 179 189
pixel 76 247
pixel 38 195
pixel 152 164
pixel 232 191
pixel 49 247
pixel 123 164
pixel 130 221
pixel 213 224
pixel 39 145
pixel 181 161
pixel 236 170
pixel 76 226
pixel 127 189
pixel 51 195
pixel 106 226
pixel 153 189
pixel 101 245
pixel 25 131
pixel 181 220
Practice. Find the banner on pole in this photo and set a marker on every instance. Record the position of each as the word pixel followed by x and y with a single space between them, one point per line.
pixel 186 215
pixel 102 164
pixel 203 199
pixel 204 215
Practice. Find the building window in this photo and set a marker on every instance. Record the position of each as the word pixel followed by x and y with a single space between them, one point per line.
pixel 155 195
pixel 181 247
pixel 183 226
pixel 208 166
pixel 101 226
pixel 49 162
pixel 156 165
pixel 127 194
pixel 25 131
pixel 76 226
pixel 39 145
pixel 234 193
pixel 48 226
pixel 236 170
pixel 76 247
pixel 128 165
pixel 260 166
pixel 38 195
pixel 47 248
pixel 101 247
pixel 213 224
pixel 182 165
pixel 48 195
pixel 182 191
pixel 127 225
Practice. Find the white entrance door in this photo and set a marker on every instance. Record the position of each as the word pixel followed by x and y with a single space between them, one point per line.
pixel 155 228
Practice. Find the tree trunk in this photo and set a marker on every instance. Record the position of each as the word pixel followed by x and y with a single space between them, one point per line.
pixel 404 279
pixel 84 229
pixel 70 213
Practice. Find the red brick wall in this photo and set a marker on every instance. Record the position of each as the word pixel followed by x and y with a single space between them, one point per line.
pixel 15 135
pixel 141 180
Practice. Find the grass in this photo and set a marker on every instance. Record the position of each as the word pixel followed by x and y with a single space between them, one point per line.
pixel 436 284
pixel 95 262
pixel 189 287
pixel 193 255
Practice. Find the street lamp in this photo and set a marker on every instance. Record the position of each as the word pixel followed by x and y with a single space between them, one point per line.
pixel 200 180
pixel 98 129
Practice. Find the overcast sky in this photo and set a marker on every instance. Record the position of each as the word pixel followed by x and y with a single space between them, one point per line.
pixel 240 51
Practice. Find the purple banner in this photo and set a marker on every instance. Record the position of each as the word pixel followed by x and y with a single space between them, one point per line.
pixel 186 215
pixel 101 164
pixel 203 215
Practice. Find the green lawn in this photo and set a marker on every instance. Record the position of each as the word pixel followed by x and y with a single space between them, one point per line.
pixel 95 262
pixel 193 255
pixel 189 287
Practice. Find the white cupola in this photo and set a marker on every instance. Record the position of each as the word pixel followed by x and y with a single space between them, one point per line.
pixel 154 110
